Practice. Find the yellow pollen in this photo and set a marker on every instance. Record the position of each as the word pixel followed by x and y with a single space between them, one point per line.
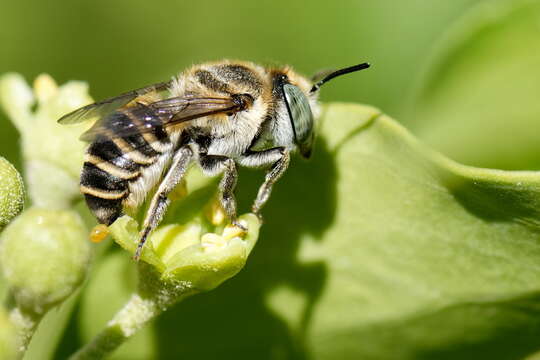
pixel 99 233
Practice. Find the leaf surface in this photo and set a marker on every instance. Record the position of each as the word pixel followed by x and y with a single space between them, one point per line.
pixel 377 248
pixel 478 102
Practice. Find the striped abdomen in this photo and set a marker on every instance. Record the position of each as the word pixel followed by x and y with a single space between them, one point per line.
pixel 115 165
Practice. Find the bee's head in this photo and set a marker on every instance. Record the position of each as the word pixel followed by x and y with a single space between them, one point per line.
pixel 299 99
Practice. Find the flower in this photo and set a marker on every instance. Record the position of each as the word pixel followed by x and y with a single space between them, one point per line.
pixel 185 253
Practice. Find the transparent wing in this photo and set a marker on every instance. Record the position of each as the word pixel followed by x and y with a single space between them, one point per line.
pixel 180 109
pixel 107 106
pixel 142 118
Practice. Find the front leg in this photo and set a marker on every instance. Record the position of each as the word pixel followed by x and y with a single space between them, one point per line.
pixel 279 158
pixel 215 164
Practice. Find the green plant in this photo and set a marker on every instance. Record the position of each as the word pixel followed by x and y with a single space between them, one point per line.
pixel 379 248
pixel 45 252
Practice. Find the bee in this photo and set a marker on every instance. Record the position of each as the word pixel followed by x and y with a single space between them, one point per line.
pixel 219 115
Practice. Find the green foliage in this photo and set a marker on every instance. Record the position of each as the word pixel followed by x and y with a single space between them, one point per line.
pixel 178 261
pixel 417 243
pixel 45 252
pixel 377 248
pixel 399 241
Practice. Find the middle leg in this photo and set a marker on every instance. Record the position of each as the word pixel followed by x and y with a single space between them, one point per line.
pixel 216 164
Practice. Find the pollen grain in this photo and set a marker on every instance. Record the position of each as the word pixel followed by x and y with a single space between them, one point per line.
pixel 99 233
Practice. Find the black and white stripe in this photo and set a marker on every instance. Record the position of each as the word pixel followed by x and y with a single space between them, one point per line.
pixel 113 162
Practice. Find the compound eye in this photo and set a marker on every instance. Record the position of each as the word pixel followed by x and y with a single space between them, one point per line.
pixel 301 118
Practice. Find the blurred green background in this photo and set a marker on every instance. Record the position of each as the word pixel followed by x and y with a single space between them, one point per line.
pixel 462 75
pixel 124 44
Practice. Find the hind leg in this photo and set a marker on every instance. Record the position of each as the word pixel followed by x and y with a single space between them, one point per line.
pixel 160 201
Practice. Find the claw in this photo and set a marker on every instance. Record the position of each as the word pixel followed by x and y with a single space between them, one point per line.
pixel 233 230
pixel 240 226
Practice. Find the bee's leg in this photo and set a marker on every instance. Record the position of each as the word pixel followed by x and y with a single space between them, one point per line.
pixel 159 202
pixel 279 158
pixel 215 164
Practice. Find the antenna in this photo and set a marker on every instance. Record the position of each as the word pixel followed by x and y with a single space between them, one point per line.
pixel 339 73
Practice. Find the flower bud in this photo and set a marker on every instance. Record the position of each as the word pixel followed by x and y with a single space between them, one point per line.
pixel 44 257
pixel 11 192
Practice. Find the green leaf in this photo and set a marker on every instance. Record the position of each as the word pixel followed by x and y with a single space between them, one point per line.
pixel 478 103
pixel 378 248
pixel 424 258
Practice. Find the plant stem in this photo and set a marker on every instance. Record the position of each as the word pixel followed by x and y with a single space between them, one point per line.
pixel 153 297
pixel 135 314
pixel 26 325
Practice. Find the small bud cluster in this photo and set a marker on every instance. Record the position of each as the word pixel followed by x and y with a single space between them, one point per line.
pixel 44 251
pixel 11 192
